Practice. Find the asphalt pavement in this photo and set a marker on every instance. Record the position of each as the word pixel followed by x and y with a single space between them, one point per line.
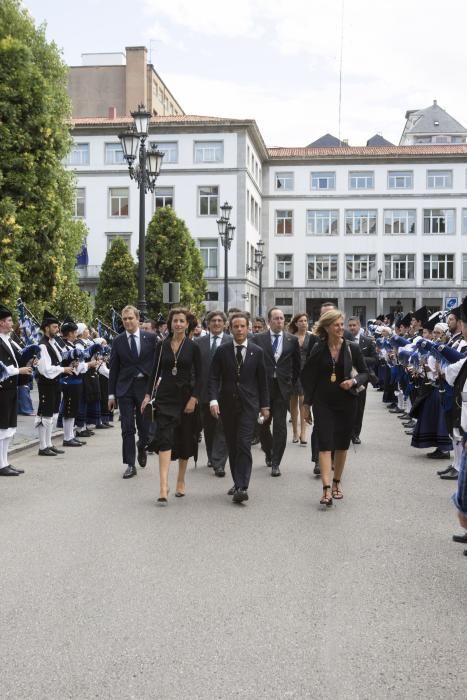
pixel 106 595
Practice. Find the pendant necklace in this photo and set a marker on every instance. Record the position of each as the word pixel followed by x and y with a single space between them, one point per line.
pixel 333 360
pixel 176 356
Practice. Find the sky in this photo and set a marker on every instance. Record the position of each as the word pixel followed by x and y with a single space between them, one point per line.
pixel 278 61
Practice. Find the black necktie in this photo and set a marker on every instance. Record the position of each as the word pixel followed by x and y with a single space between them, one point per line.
pixel 215 338
pixel 133 347
pixel 239 356
pixel 275 343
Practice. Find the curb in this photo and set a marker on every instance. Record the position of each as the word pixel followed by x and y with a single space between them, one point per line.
pixel 30 443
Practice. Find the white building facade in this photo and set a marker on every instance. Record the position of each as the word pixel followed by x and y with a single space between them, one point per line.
pixel 373 228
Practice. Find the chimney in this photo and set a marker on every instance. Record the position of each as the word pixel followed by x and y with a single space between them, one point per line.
pixel 112 112
pixel 435 102
pixel 345 142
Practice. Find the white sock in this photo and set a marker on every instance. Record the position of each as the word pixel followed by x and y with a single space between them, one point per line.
pixel 2 460
pixel 42 428
pixel 6 444
pixel 68 425
pixel 48 435
pixel 458 450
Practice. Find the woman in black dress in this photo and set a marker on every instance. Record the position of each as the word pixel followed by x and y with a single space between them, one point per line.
pixel 175 381
pixel 330 388
pixel 299 326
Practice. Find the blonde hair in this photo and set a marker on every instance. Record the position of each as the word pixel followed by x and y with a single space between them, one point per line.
pixel 129 307
pixel 326 320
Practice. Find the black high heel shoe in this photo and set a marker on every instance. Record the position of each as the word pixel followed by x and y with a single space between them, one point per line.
pixel 163 501
pixel 326 500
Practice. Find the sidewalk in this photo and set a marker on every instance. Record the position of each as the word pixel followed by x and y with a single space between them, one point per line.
pixel 26 432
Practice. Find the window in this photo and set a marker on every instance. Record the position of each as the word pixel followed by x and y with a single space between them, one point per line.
pixel 322 267
pixel 283 267
pixel 118 201
pixel 208 248
pixel 400 179
pixel 79 154
pixel 364 180
pixel 284 222
pixel 398 221
pixel 464 221
pixel 423 139
pixel 248 205
pixel 208 201
pixel 360 267
pixel 111 237
pixel 169 149
pixel 439 220
pixel 438 266
pixel 113 154
pixel 252 209
pixel 322 222
pixel 439 179
pixel 80 203
pixel 283 301
pixel 360 221
pixel 464 267
pixel 211 296
pixel 284 181
pixel 163 197
pixel 323 181
pixel 209 151
pixel 399 267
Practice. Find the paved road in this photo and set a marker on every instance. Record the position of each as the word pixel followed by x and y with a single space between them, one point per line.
pixel 105 595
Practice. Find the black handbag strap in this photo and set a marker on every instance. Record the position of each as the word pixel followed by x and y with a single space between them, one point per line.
pixel 154 386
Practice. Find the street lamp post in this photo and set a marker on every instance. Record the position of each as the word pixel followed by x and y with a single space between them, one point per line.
pixel 226 233
pixel 145 174
pixel 259 262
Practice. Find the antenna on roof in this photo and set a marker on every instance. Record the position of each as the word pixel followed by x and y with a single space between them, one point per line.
pixel 340 67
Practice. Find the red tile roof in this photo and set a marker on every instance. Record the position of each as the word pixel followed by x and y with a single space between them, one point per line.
pixel 368 151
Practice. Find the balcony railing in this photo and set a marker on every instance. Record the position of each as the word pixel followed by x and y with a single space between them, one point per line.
pixel 88 271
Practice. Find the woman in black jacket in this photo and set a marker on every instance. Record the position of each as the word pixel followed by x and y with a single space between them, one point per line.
pixel 334 371
pixel 176 383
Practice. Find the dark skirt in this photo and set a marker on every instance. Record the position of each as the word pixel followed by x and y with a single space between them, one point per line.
pixel 333 425
pixel 71 400
pixel 8 409
pixel 431 429
pixel 49 399
pixel 180 435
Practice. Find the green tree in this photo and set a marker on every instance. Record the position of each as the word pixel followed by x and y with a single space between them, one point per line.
pixel 172 256
pixel 117 281
pixel 38 238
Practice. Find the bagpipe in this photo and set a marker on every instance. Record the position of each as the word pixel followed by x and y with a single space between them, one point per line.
pixel 30 355
pixel 105 331
pixel 29 325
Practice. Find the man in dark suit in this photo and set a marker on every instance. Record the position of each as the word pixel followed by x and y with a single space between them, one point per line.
pixel 131 361
pixel 238 392
pixel 282 358
pixel 368 349
pixel 214 437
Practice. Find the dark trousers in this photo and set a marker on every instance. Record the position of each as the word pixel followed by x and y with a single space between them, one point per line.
pixel 274 444
pixel 357 426
pixel 214 438
pixel 239 425
pixel 130 406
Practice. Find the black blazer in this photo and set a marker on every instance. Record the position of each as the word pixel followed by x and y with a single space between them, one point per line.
pixel 252 388
pixel 354 358
pixel 123 368
pixel 288 366
pixel 204 344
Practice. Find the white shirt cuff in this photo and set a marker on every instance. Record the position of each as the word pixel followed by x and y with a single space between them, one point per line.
pixel 111 397
pixel 213 403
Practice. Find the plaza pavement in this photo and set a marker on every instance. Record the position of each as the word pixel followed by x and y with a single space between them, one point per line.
pixel 106 595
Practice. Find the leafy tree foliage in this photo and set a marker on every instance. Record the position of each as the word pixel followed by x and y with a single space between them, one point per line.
pixel 117 281
pixel 39 240
pixel 172 256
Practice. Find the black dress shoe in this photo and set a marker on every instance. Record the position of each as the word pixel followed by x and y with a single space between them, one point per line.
pixel 240 495
pixel 391 405
pixel 219 472
pixel 440 472
pixel 408 432
pixel 460 538
pixel 438 454
pixel 231 491
pixel 356 441
pixel 316 469
pixel 268 460
pixel 84 433
pixel 209 465
pixel 410 424
pixel 142 457
pixel 451 475
pixel 48 452
pixel 465 552
pixel 73 443
pixel 396 410
pixel 56 450
pixel 8 471
pixel 16 469
pixel 129 472
pixel 102 426
pixel 275 471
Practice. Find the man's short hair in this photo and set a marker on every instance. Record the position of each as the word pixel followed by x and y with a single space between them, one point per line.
pixel 240 314
pixel 151 322
pixel 274 308
pixel 216 312
pixel 130 308
pixel 354 318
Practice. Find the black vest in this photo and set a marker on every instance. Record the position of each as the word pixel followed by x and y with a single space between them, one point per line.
pixel 45 345
pixel 7 358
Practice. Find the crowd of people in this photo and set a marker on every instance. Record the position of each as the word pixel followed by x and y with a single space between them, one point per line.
pixel 235 379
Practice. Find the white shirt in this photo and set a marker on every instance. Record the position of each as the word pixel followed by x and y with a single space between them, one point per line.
pixel 218 337
pixel 137 339
pixel 12 370
pixel 278 352
pixel 244 346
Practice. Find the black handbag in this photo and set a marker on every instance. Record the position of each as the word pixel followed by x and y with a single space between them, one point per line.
pixel 149 413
